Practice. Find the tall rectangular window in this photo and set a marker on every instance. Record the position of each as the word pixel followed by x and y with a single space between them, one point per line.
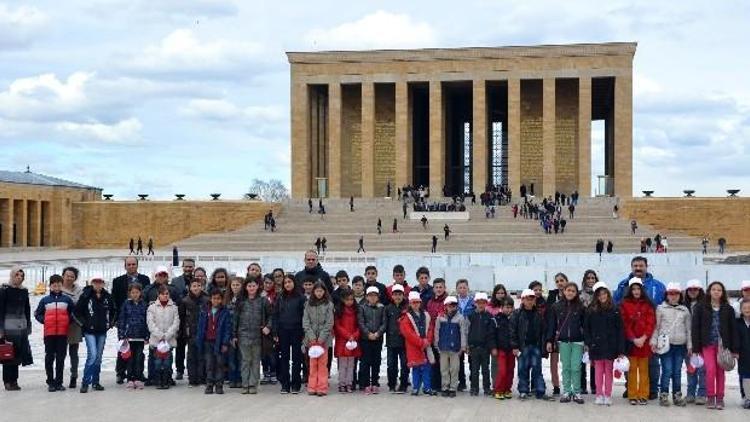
pixel 497 153
pixel 467 157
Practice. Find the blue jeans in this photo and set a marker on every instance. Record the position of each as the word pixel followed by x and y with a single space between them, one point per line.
pixel 420 376
pixel 671 368
pixel 696 383
pixel 161 364
pixel 530 360
pixel 233 362
pixel 94 351
pixel 653 374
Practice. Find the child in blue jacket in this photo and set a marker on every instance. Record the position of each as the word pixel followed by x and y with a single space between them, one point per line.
pixel 132 327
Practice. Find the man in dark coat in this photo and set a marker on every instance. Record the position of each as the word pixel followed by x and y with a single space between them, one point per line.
pixel 313 269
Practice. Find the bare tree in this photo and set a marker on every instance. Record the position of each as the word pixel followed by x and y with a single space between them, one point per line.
pixel 270 191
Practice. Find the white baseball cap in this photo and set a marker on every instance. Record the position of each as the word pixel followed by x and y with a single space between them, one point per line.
pixel 745 285
pixel 414 297
pixel 449 300
pixel 527 293
pixel 635 280
pixel 161 269
pixel 694 284
pixel 397 288
pixel 372 289
pixel 480 296
pixel 674 287
pixel 97 276
pixel 600 285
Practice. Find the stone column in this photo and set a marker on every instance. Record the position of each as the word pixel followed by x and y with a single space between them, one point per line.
pixel 334 140
pixel 6 214
pixel 21 228
pixel 479 135
pixel 549 176
pixel 584 136
pixel 514 137
pixel 301 175
pixel 368 139
pixel 437 140
pixel 624 134
pixel 35 222
pixel 403 136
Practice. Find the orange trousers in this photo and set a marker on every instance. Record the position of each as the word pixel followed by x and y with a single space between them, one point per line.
pixel 317 380
pixel 638 378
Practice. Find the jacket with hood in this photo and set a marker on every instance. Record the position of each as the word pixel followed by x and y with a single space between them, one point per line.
pixel 96 314
pixel 345 327
pixel 418 332
pixel 638 319
pixel 604 335
pixel 131 323
pixel 317 322
pixel 55 311
pixel 371 319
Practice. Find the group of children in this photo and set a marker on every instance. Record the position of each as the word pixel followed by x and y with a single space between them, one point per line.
pixel 299 324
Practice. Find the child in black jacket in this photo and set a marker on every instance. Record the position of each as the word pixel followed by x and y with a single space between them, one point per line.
pixel 481 341
pixel 503 351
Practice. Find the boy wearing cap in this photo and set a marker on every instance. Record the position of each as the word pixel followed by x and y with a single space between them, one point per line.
pixel 394 341
pixel 481 342
pixel 96 312
pixel 418 334
pixel 451 340
pixel 371 319
pixel 55 311
pixel 673 322
pixel 526 338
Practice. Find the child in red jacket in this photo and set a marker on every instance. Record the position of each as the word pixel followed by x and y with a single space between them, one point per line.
pixel 55 311
pixel 639 322
pixel 346 331
pixel 418 335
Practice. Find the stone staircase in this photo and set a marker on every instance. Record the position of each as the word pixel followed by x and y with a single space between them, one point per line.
pixel 297 230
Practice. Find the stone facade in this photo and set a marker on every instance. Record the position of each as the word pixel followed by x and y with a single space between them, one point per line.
pixel 111 224
pixel 555 126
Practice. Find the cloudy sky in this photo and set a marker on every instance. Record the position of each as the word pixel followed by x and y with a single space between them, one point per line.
pixel 191 96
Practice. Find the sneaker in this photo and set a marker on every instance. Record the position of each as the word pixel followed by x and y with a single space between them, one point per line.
pixel 711 403
pixel 253 390
pixel 452 394
pixel 523 396
pixel 719 404
pixel 139 385
pixel 375 389
pixel 296 391
pixel 209 389
pixel 664 399
pixel 431 393
pixel 266 380
pixel 473 393
pixel 246 390
pixel 401 389
pixel 700 400
pixel 219 389
pixel 555 391
pixel 51 388
pixel 59 387
pixel 445 393
pixel 608 401
pixel 578 399
pixel 97 387
pixel 120 380
pixel 392 390
pixel 746 405
pixel 274 381
pixel 179 376
pixel 690 399
pixel 585 391
pixel 642 402
pixel 599 400
pixel 500 396
pixel 565 398
pixel 678 400
pixel 84 389
pixel 130 385
pixel 368 390
pixel 634 402
pixel 508 395
pixel 416 393
pixel 72 383
pixel 544 397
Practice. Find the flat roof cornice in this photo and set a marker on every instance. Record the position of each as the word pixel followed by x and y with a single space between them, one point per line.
pixel 466 53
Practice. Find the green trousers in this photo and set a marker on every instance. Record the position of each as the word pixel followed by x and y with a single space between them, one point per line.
pixel 570 358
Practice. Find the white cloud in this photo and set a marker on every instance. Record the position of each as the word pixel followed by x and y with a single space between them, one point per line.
pixel 377 30
pixel 173 10
pixel 182 54
pixel 223 110
pixel 19 27
pixel 44 97
pixel 125 131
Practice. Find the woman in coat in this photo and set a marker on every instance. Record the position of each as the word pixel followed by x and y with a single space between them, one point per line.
pixel 96 313
pixel 15 326
pixel 714 324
